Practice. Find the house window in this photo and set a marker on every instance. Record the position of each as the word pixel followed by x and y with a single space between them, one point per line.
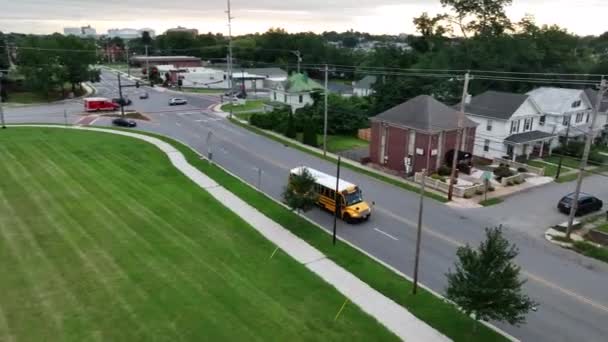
pixel 274 95
pixel 486 145
pixel 301 99
pixel 579 117
pixel 514 126
pixel 576 104
pixel 566 120
pixel 285 98
pixel 489 125
pixel 542 120
pixel 528 124
pixel 587 119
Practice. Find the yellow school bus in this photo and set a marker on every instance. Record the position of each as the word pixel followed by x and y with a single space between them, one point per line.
pixel 353 207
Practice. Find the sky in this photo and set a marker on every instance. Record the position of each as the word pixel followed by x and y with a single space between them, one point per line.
pixel 583 17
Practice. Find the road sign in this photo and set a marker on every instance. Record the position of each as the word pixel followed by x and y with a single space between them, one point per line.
pixel 487 175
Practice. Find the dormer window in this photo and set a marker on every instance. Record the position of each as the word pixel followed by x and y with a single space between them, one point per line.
pixel 576 104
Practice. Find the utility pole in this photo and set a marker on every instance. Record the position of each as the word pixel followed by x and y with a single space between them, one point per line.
pixel 229 12
pixel 147 64
pixel 420 212
pixel 325 114
pixel 465 95
pixel 1 105
pixel 128 61
pixel 588 142
pixel 121 100
pixel 561 156
pixel 337 206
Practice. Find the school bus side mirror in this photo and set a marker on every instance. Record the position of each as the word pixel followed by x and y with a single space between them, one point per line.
pixel 373 202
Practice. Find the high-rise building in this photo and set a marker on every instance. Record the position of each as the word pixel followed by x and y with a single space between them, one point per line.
pixel 129 33
pixel 83 31
pixel 179 29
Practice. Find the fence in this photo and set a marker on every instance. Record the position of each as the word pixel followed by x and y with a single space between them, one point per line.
pixel 516 165
pixel 459 190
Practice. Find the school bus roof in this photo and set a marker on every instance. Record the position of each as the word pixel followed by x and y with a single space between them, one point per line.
pixel 325 179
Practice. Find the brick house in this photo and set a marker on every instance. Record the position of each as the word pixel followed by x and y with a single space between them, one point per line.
pixel 400 136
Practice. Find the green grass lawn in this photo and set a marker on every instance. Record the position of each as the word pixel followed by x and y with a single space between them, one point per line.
pixel 28 97
pixel 566 161
pixel 603 228
pixel 248 106
pixel 491 202
pixel 102 239
pixel 338 143
pixel 550 170
pixel 203 90
pixel 436 312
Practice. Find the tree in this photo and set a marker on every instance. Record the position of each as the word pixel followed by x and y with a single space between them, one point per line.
pixel 481 17
pixel 299 193
pixel 486 281
pixel 309 135
pixel 290 130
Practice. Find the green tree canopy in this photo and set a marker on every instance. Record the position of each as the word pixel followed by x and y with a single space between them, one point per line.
pixel 486 282
pixel 299 193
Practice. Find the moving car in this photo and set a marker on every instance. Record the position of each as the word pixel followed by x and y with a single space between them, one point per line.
pixel 125 101
pixel 177 101
pixel 350 197
pixel 586 204
pixel 143 96
pixel 93 104
pixel 124 122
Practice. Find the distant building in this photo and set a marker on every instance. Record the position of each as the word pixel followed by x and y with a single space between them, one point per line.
pixel 180 29
pixel 295 91
pixel 177 61
pixel 129 33
pixel 82 32
pixel 209 78
pixel 364 87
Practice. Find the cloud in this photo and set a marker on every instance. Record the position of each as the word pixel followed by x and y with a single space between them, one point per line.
pixel 380 16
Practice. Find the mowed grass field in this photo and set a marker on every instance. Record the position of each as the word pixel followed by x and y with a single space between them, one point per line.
pixel 102 239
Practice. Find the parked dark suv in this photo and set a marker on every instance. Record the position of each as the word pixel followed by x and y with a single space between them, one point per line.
pixel 586 204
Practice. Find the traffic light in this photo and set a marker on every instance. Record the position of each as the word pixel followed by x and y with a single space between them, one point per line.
pixel 136 84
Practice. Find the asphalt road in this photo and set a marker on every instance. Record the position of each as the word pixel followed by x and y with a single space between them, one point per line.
pixel 571 289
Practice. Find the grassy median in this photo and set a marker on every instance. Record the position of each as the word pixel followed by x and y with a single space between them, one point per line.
pixel 101 238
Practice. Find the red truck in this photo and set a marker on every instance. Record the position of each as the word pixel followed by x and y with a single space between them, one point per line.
pixel 94 104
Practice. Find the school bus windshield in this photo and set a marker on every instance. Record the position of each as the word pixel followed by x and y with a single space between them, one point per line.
pixel 352 198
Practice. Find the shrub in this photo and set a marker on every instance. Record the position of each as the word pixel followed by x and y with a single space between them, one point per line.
pixel 290 130
pixel 438 177
pixel 444 170
pixel 502 171
pixel 522 169
pixel 510 183
pixel 479 192
pixel 491 188
pixel 309 136
pixel 467 196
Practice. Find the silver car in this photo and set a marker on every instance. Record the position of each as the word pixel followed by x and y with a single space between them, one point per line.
pixel 177 101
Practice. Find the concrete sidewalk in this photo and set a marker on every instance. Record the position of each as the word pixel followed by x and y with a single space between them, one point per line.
pixel 390 314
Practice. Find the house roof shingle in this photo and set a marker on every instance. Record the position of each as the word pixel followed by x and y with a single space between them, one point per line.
pixel 300 83
pixel 553 100
pixel 522 138
pixel 592 95
pixel 423 113
pixel 495 104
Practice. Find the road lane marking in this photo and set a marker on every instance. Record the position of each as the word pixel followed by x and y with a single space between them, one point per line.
pixel 530 276
pixel 386 234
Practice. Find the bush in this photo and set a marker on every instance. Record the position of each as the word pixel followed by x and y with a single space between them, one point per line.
pixel 438 177
pixel 522 170
pixel 467 196
pixel 491 188
pixel 290 130
pixel 502 171
pixel 444 170
pixel 510 183
pixel 479 192
pixel 309 136
pixel 272 121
